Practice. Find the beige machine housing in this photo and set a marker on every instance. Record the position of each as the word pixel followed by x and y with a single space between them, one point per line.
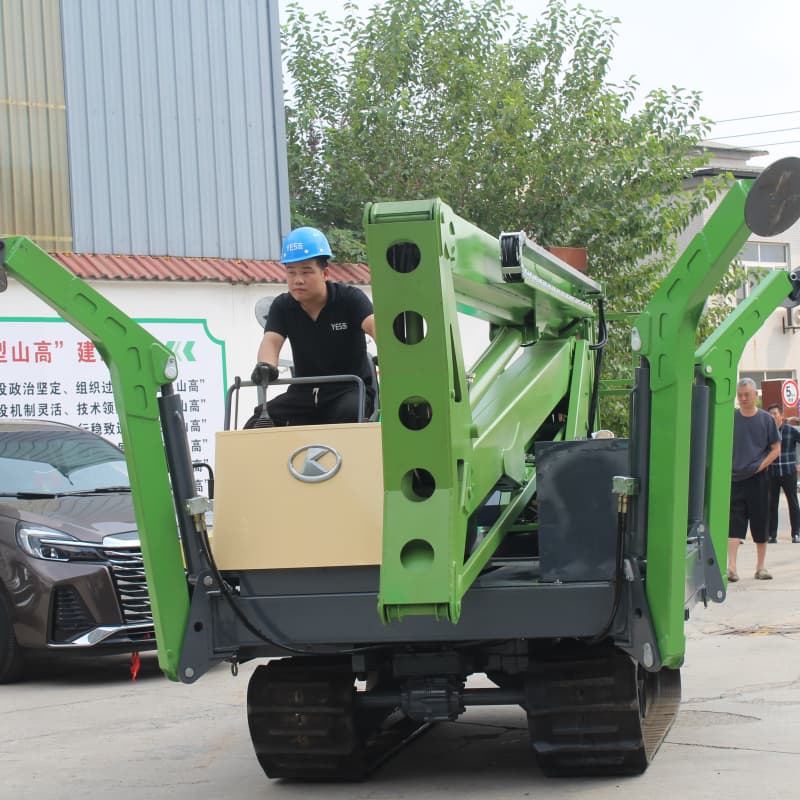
pixel 267 518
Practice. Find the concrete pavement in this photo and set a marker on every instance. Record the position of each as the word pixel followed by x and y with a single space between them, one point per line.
pixel 84 730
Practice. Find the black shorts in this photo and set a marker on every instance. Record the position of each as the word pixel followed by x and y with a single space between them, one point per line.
pixel 302 405
pixel 749 504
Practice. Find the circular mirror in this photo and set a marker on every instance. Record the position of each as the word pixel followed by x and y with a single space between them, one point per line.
pixel 773 203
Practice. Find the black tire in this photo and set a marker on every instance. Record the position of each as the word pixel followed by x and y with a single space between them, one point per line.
pixel 11 661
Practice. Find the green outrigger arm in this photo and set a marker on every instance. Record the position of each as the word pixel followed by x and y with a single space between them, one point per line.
pixel 453 436
pixel 717 360
pixel 664 334
pixel 139 366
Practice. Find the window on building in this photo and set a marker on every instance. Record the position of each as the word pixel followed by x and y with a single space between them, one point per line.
pixel 765 254
pixel 768 375
pixel 759 258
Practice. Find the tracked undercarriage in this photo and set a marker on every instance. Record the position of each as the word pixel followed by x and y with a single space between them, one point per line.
pixel 590 712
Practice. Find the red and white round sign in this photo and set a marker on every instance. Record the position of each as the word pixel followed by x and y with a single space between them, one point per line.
pixel 789 394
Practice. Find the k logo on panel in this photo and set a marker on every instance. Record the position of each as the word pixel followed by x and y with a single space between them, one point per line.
pixel 314 463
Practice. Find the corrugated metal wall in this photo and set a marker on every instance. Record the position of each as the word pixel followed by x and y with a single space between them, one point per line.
pixel 34 187
pixel 175 127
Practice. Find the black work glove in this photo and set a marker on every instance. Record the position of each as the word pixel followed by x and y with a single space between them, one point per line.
pixel 264 373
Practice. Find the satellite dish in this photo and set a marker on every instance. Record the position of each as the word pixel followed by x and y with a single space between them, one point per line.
pixel 773 203
pixel 262 309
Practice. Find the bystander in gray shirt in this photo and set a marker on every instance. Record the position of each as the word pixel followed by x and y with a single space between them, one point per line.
pixel 752 439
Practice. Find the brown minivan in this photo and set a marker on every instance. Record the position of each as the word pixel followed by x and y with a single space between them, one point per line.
pixel 71 572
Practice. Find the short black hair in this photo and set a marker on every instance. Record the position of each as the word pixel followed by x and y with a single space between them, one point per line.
pixel 775 405
pixel 321 262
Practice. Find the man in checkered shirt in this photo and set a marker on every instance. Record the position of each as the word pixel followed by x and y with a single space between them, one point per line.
pixel 783 475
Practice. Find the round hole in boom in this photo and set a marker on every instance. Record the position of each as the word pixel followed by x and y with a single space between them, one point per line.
pixel 403 257
pixel 410 327
pixel 415 413
pixel 418 484
pixel 417 556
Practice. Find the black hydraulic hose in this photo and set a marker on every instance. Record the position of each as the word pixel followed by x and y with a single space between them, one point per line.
pixel 601 326
pixel 622 518
pixel 598 363
pixel 228 594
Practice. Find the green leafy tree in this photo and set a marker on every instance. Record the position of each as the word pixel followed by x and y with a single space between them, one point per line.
pixel 513 122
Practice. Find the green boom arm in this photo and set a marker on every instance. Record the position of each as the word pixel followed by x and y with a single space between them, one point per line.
pixel 139 366
pixel 452 436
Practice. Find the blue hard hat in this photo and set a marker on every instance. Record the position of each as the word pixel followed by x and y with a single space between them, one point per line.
pixel 303 243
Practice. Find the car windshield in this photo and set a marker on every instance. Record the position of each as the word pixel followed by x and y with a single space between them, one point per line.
pixel 58 461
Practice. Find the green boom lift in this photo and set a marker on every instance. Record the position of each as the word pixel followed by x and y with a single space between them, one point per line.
pixel 480 526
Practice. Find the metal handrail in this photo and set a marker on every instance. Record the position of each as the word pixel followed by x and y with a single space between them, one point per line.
pixel 314 380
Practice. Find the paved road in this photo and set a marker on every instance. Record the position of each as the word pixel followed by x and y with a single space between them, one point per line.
pixel 86 731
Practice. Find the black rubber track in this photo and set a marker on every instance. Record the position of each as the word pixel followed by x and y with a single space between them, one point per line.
pixel 304 723
pixel 599 714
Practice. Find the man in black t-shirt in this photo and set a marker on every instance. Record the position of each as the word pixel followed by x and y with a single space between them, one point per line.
pixel 783 476
pixel 325 323
pixel 756 444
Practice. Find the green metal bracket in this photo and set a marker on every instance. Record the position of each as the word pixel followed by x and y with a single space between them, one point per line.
pixel 139 365
pixel 450 435
pixel 718 359
pixel 665 333
pixel 580 391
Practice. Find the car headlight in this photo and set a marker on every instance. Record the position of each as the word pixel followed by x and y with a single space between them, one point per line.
pixel 52 545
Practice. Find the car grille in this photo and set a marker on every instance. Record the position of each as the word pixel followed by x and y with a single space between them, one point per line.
pixel 127 569
pixel 70 616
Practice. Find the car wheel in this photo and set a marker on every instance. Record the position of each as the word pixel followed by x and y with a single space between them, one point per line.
pixel 11 661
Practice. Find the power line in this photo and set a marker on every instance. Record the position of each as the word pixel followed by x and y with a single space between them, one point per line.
pixel 756 116
pixel 773 144
pixel 758 133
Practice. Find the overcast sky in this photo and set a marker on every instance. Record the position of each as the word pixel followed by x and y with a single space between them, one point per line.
pixel 741 54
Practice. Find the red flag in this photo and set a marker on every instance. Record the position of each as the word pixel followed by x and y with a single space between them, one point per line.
pixel 135 664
